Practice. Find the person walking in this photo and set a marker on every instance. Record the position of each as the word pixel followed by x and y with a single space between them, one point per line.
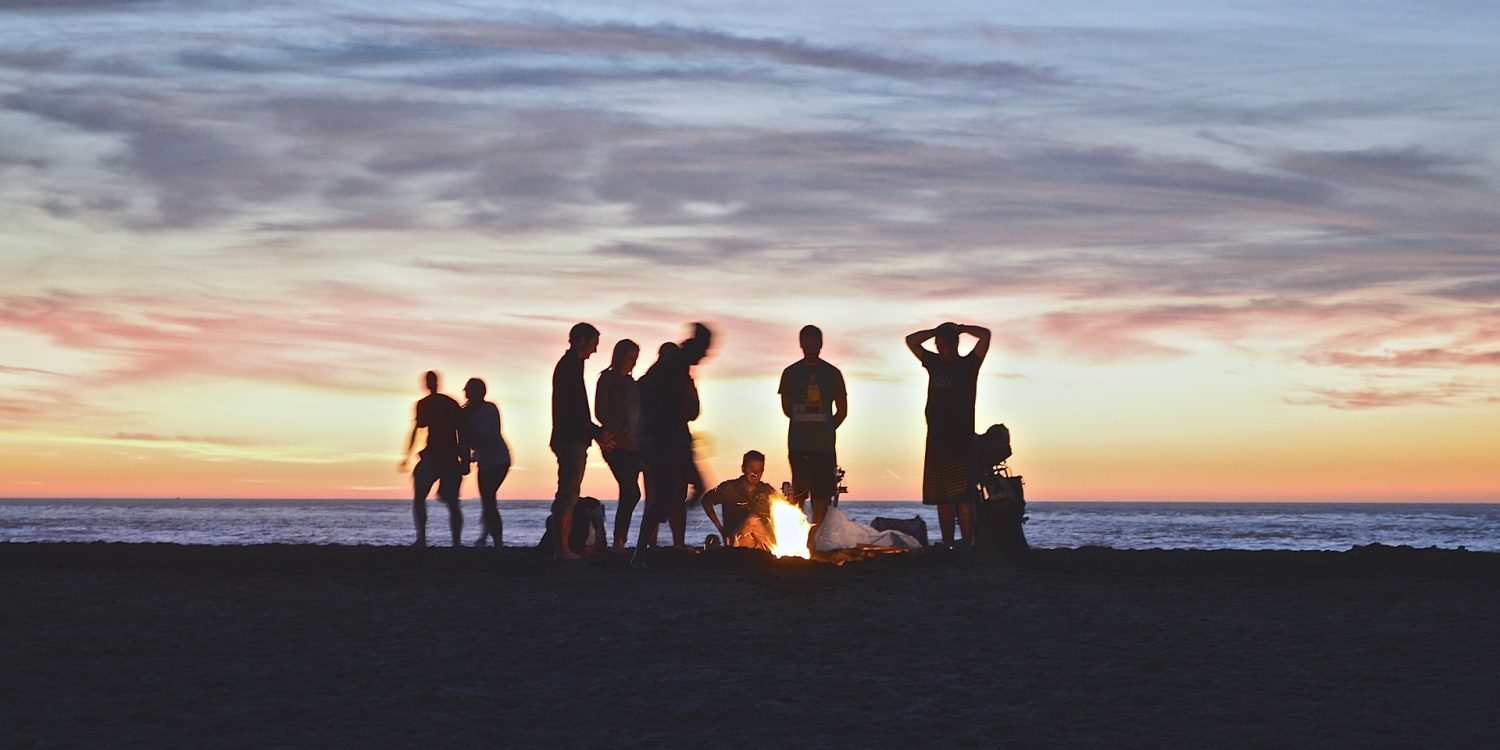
pixel 438 462
pixel 483 443
pixel 669 401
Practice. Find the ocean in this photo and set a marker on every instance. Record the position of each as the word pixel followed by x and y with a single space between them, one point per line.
pixel 1120 525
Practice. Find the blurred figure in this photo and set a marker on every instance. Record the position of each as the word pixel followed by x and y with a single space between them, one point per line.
pixel 696 486
pixel 669 401
pixel 617 404
pixel 952 382
pixel 815 403
pixel 439 462
pixel 483 443
pixel 572 430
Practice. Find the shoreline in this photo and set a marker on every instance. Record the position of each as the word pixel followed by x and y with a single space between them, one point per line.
pixel 335 646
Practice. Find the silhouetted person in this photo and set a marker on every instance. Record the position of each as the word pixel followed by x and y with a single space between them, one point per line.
pixel 439 462
pixel 669 400
pixel 948 477
pixel 572 431
pixel 742 498
pixel 814 400
pixel 483 443
pixel 617 404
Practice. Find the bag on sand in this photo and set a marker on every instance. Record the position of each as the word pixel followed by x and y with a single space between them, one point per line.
pixel 586 536
pixel 1000 516
pixel 913 527
pixel 839 531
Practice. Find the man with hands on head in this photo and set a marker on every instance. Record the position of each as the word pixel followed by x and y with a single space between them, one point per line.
pixel 948 477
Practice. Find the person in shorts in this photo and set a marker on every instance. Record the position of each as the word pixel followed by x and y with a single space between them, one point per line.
pixel 439 462
pixel 815 404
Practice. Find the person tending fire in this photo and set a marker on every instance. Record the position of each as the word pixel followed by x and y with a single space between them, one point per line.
pixel 747 505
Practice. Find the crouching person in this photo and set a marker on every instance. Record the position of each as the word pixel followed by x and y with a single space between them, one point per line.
pixel 747 505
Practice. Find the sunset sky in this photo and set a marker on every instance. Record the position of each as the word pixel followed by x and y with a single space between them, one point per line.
pixel 1229 251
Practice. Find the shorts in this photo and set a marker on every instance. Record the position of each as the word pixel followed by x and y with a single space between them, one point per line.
pixel 814 473
pixel 446 474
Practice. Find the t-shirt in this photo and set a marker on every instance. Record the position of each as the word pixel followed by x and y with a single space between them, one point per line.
pixel 440 415
pixel 813 388
pixel 951 387
pixel 741 501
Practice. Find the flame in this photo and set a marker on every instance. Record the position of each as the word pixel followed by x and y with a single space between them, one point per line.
pixel 790 528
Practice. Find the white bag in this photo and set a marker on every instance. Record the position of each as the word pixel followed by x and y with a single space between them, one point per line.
pixel 839 531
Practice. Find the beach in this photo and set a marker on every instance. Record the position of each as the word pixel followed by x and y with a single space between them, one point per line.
pixel 117 645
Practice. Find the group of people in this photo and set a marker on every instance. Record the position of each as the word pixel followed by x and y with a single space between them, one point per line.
pixel 642 431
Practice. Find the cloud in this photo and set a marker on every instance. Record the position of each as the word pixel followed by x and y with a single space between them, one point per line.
pixel 148 437
pixel 615 39
pixel 63 6
pixel 9 370
pixel 1412 168
pixel 1429 357
pixel 195 174
pixel 1443 394
pixel 34 60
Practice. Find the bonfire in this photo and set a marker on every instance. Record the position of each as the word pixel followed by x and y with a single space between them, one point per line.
pixel 789 529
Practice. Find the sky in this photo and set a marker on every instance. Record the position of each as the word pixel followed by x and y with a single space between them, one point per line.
pixel 1228 250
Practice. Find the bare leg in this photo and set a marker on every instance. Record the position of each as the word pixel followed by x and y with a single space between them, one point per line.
pixel 945 523
pixel 564 531
pixel 455 522
pixel 966 522
pixel 820 509
pixel 678 522
pixel 419 518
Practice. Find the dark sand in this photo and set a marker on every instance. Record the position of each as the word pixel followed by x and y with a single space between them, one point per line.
pixel 110 645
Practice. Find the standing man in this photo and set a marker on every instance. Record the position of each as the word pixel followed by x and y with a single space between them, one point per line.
pixel 813 398
pixel 952 382
pixel 439 462
pixel 572 430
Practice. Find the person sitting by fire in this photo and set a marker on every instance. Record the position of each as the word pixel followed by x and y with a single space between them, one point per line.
pixel 747 505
